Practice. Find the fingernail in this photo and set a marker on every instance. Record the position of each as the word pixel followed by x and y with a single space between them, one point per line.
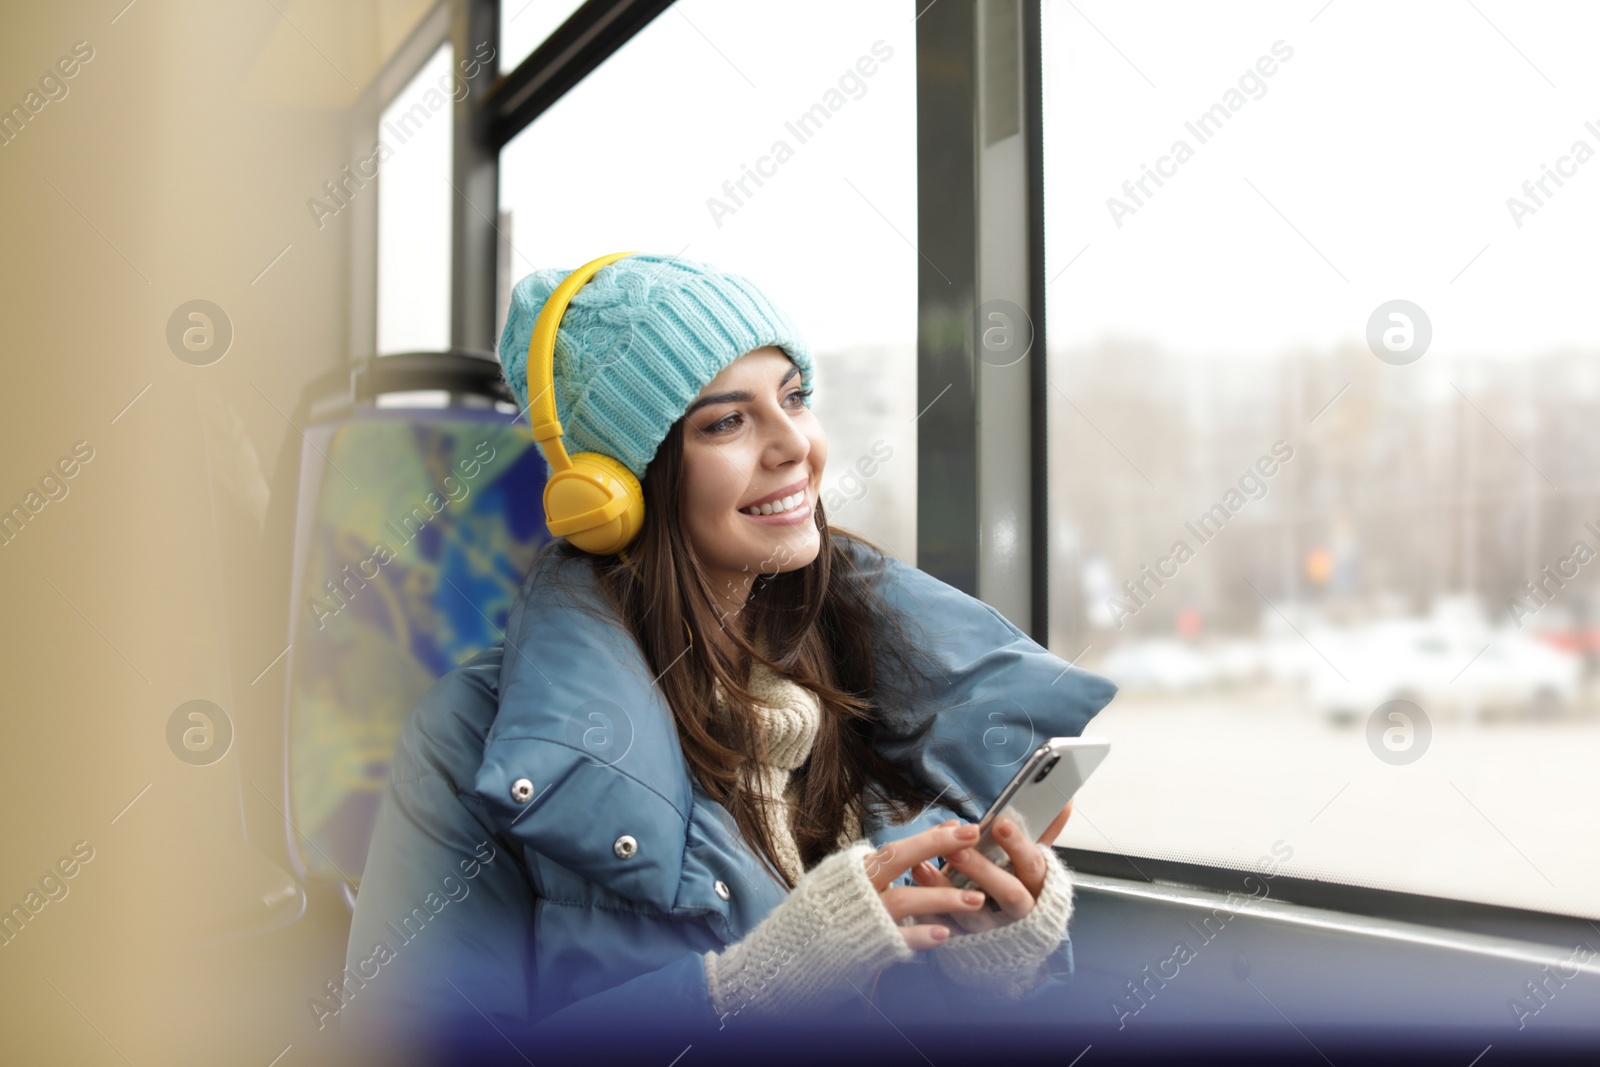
pixel 1003 829
pixel 968 832
pixel 972 898
pixel 940 933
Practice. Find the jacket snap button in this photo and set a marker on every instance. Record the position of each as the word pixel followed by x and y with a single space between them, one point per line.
pixel 722 888
pixel 521 790
pixel 625 847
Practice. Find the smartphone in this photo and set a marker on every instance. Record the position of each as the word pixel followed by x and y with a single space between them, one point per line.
pixel 1044 783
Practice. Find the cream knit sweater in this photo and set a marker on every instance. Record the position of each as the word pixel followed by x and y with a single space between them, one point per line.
pixel 832 934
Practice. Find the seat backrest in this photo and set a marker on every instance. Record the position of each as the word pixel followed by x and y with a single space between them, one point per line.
pixel 414 528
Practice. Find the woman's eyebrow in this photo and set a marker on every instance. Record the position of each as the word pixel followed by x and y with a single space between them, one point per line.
pixel 742 396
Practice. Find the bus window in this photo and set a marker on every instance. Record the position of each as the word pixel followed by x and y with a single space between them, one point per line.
pixel 1320 432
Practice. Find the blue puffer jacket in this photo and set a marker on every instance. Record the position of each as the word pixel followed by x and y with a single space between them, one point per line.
pixel 543 861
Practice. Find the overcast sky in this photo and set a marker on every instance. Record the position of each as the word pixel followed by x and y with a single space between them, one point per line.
pixel 630 159
pixel 1390 141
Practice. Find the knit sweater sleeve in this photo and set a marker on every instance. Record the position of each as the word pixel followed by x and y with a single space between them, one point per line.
pixel 1009 960
pixel 814 950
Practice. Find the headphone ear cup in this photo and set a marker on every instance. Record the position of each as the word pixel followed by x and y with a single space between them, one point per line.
pixel 595 482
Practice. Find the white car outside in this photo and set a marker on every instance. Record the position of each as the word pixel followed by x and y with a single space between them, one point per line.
pixel 1157 664
pixel 1443 669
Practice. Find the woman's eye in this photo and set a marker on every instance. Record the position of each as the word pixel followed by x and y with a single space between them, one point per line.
pixel 801 394
pixel 722 424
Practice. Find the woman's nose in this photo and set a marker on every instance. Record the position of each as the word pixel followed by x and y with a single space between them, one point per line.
pixel 787 440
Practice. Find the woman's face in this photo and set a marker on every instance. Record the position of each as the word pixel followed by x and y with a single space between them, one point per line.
pixel 749 441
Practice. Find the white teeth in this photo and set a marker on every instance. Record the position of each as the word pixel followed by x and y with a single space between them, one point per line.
pixel 777 507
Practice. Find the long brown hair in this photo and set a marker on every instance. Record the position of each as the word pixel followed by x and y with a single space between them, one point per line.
pixel 822 624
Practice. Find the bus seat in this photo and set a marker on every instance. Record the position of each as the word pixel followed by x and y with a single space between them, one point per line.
pixel 416 513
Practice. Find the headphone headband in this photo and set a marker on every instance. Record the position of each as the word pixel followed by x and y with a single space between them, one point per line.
pixel 542 412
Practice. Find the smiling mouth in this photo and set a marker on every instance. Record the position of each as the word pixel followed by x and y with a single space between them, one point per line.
pixel 787 499
pixel 781 506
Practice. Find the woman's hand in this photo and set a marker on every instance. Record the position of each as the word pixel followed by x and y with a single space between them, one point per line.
pixel 936 901
pixel 1015 891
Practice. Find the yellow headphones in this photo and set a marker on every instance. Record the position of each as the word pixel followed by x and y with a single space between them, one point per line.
pixel 592 500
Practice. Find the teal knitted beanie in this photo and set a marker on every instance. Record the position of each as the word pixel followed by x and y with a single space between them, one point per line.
pixel 637 344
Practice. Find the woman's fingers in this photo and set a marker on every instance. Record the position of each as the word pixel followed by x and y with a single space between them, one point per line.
pixel 972 922
pixel 905 900
pixel 912 901
pixel 936 904
pixel 888 863
pixel 895 858
pixel 1013 897
pixel 920 937
pixel 1027 862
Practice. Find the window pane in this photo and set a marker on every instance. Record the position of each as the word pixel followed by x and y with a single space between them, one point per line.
pixel 414 212
pixel 778 142
pixel 1323 390
pixel 524 25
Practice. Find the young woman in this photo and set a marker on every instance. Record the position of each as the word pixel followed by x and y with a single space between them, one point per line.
pixel 705 779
